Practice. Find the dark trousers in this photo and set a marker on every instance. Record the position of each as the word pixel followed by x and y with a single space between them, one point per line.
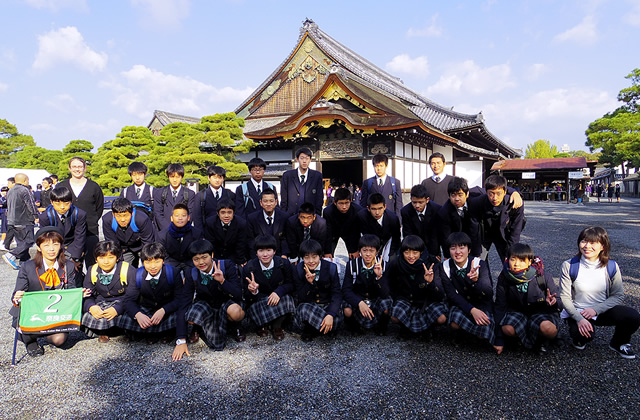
pixel 625 319
pixel 90 245
pixel 9 237
pixel 24 241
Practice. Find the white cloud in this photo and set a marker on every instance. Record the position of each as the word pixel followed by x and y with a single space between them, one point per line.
pixel 432 30
pixel 403 63
pixel 567 103
pixel 583 33
pixel 142 90
pixel 632 17
pixel 56 5
pixel 3 87
pixel 534 71
pixel 43 127
pixel 87 129
pixel 164 13
pixel 63 103
pixel 469 78
pixel 66 45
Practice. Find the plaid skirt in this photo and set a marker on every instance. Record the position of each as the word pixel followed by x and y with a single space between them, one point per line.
pixel 261 313
pixel 378 307
pixel 528 328
pixel 127 323
pixel 313 314
pixel 92 323
pixel 212 321
pixel 467 323
pixel 417 318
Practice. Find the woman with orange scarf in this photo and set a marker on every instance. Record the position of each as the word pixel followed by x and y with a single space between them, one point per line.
pixel 48 270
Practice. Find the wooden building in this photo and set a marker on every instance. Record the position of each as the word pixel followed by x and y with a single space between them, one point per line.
pixel 346 109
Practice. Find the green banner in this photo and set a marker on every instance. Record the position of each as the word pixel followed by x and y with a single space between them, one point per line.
pixel 51 311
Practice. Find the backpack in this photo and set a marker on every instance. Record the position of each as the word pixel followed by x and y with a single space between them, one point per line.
pixel 53 221
pixel 134 227
pixel 574 267
pixel 142 205
pixel 247 197
pixel 194 270
pixel 124 268
pixel 141 271
pixel 393 185
pixel 185 193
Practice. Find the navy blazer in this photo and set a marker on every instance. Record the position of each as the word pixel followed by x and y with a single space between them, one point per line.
pixel 463 292
pixel 326 290
pixel 257 225
pixel 110 292
pixel 533 301
pixel 357 286
pixel 390 228
pixel 163 209
pixel 511 220
pixel 393 201
pixel 75 234
pixel 146 197
pixel 427 229
pixel 178 248
pixel 295 234
pixel 449 221
pixel 343 226
pixel 213 293
pixel 231 245
pixel 281 281
pixel 207 204
pixel 294 194
pixel 414 290
pixel 252 200
pixel 127 238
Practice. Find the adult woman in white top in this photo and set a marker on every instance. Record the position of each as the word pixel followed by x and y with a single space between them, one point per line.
pixel 591 292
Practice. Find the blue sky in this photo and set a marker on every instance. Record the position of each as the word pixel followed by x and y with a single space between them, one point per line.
pixel 81 69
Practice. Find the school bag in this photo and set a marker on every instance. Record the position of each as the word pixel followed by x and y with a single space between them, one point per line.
pixel 247 197
pixel 574 267
pixel 141 271
pixel 185 195
pixel 123 273
pixel 142 205
pixel 134 227
pixel 53 221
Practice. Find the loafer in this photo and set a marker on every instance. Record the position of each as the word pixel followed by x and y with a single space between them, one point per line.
pixel 263 332
pixel 103 339
pixel 194 337
pixel 35 351
pixel 239 335
pixel 278 334
pixel 306 337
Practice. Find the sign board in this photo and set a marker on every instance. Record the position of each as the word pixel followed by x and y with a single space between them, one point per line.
pixel 528 175
pixel 576 174
pixel 51 311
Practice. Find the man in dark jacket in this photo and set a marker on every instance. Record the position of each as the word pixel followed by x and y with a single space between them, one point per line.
pixel 21 217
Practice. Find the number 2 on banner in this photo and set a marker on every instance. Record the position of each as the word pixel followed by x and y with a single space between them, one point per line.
pixel 48 309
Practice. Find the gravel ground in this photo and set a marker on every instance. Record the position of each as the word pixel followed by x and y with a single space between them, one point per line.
pixel 345 377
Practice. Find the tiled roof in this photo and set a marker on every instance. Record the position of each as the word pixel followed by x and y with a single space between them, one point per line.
pixel 167 118
pixel 539 164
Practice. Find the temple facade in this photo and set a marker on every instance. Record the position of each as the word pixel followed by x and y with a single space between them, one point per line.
pixel 328 98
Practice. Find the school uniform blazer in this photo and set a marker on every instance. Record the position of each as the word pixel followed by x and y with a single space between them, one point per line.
pixel 511 220
pixel 110 292
pixel 533 301
pixel 45 198
pixel 257 225
pixel 393 201
pixel 449 221
pixel 343 226
pixel 29 280
pixel 178 248
pixel 213 293
pixel 416 291
pixel 390 228
pixel 253 200
pixel 146 197
pixel 358 287
pixel 233 244
pixel 326 290
pixel 294 232
pixel 127 238
pixel 207 204
pixel 91 200
pixel 427 229
pixel 281 281
pixel 294 194
pixel 465 293
pixel 162 211
pixel 74 235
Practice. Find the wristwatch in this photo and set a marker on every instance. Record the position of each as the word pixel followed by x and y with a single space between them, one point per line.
pixel 180 341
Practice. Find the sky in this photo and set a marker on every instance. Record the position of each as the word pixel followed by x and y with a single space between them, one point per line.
pixel 83 69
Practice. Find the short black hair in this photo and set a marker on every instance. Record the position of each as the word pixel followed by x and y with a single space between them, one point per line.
pixel 412 242
pixel 495 181
pixel 48 179
pixel 268 191
pixel 216 170
pixel 459 238
pixel 307 208
pixel 53 176
pixel 181 206
pixel 520 251
pixel 380 158
pixel 61 193
pixel 265 242
pixel 437 155
pixel 310 247
pixel 419 191
pixel 137 167
pixel 369 240
pixel 121 205
pixel 342 194
pixel 107 247
pixel 226 203
pixel 5 189
pixel 304 150
pixel 153 251
pixel 256 162
pixel 456 184
pixel 201 246
pixel 11 179
pixel 175 168
pixel 375 198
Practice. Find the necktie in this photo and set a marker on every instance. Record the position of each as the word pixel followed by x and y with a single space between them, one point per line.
pixel 437 180
pixel 268 272
pixel 217 195
pixel 317 273
pixel 461 272
pixel 269 220
pixel 138 192
pixel 380 183
pixel 301 179
pixel 205 278
pixel 154 282
pixel 258 188
pixel 63 219
pixel 105 279
pixel 421 217
pixel 307 233
pixel 175 193
pixel 461 212
pixel 225 227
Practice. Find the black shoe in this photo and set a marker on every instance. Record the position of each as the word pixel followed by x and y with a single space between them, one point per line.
pixel 353 325
pixel 34 350
pixel 382 325
pixel 625 351
pixel 308 334
pixel 239 335
pixel 579 345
